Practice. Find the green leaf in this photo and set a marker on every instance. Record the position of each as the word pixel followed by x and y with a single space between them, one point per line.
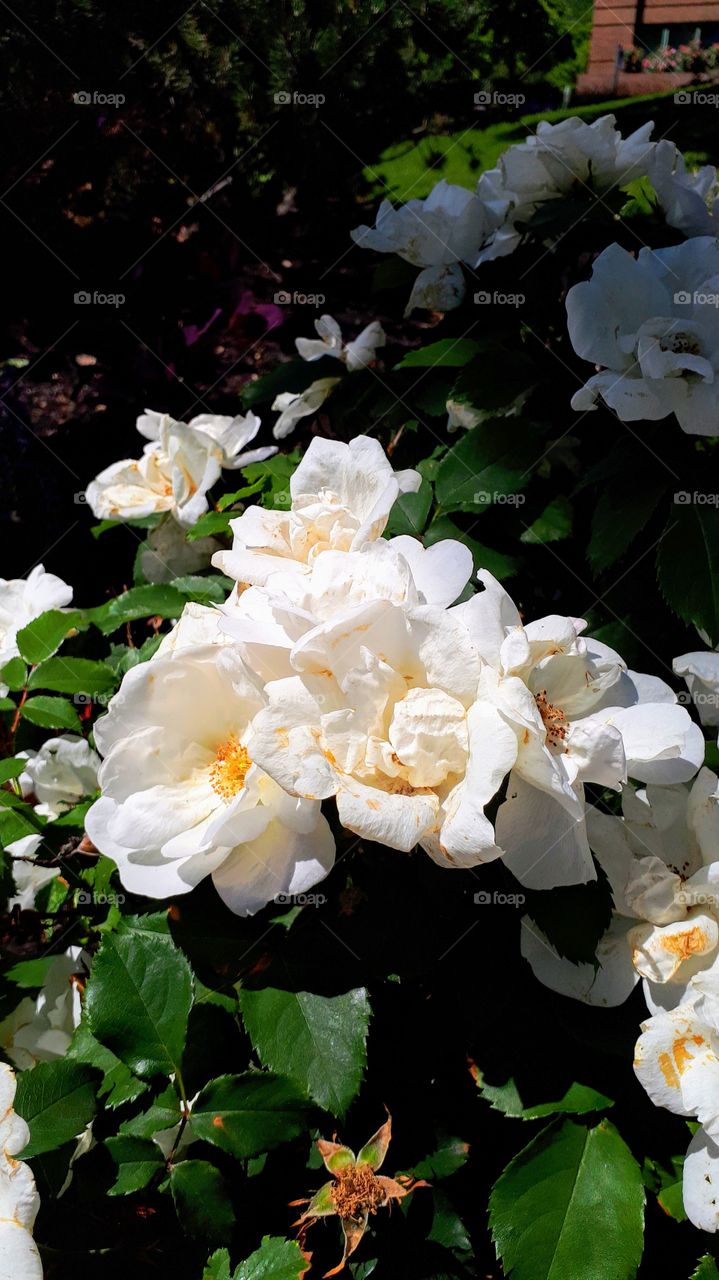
pixel 163 1113
pixel 160 600
pixel 14 674
pixel 447 353
pixel 30 975
pixel 73 675
pixel 118 1085
pixel 136 522
pixel 57 1099
pixel 51 713
pixel 11 768
pixel 410 511
pixel 488 463
pixel 570 1206
pixel 626 504
pixel 138 1000
pixel 552 525
pixel 276 1259
pixel 320 1042
pixel 211 589
pixel 229 499
pixel 500 565
pixel 137 1163
pixel 578 1100
pixel 688 565
pixel 706 1269
pixel 122 658
pixel 495 379
pixel 217 1266
pixel 41 637
pixel 449 1156
pixel 212 523
pixel 250 1113
pixel 202 1201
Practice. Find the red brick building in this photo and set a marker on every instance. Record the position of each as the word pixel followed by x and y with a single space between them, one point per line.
pixel 647 25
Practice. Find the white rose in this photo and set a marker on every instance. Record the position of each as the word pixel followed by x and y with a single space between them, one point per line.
pixel 19 1200
pixel 356 354
pixel 60 774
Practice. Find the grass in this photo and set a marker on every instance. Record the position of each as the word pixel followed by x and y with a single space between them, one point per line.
pixel 409 170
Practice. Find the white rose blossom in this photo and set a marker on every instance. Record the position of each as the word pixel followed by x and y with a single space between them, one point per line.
pixel 662 862
pixel 689 200
pixel 178 466
pixel 578 716
pixel 677 1062
pixel 357 354
pixel 40 1029
pixel 340 498
pixel 701 672
pixel 59 774
pixel 29 877
pixel 181 796
pixel 21 601
pixel 651 324
pixel 19 1200
pixel 295 405
pixel 558 160
pixel 436 234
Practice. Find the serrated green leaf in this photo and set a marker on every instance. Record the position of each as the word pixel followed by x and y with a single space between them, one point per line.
pixel 163 1113
pixel 211 524
pixel 250 1113
pixel 44 635
pixel 688 565
pixel 217 1266
pixel 211 589
pixel 118 1084
pixel 14 674
pixel 137 1163
pixel 625 505
pixel 578 1100
pixel 446 1159
pixel 447 353
pixel 543 1203
pixel 202 1201
pixel 122 658
pixel 276 1259
pixel 159 600
pixel 552 525
pixel 495 379
pixel 57 1099
pixel 11 768
pixel 320 1042
pixel 489 462
pixel 706 1269
pixel 73 675
pixel 51 713
pixel 138 1000
pixel 30 974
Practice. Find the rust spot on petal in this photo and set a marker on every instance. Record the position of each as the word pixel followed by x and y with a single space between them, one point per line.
pixel 683 945
pixel 666 1066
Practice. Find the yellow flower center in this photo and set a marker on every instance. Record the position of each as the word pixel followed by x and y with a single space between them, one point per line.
pixel 228 770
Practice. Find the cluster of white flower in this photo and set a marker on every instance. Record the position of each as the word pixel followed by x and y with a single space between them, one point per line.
pixel 21 601
pixel 340 666
pixel 19 1200
pixel 356 355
